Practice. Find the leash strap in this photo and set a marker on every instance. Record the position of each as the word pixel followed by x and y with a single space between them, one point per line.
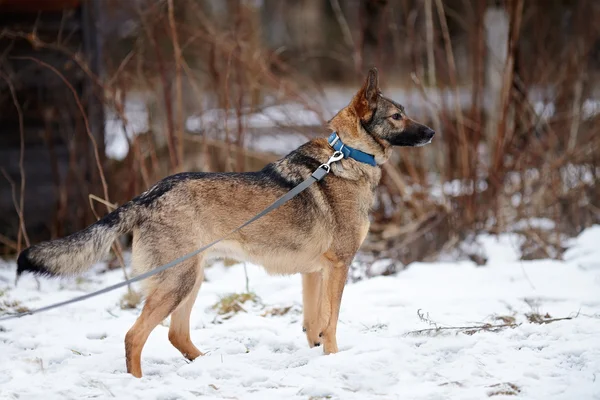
pixel 316 176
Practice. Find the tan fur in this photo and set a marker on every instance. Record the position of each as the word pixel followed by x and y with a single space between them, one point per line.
pixel 315 234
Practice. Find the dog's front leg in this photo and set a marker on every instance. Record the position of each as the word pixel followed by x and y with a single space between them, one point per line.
pixel 311 297
pixel 334 279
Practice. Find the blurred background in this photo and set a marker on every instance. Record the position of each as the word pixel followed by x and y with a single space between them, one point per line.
pixel 99 99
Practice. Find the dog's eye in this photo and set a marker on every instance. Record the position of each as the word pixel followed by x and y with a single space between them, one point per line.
pixel 397 116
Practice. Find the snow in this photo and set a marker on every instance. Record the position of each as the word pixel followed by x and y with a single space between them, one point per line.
pixel 277 144
pixel 289 114
pixel 216 122
pixel 77 351
pixel 118 133
pixel 590 108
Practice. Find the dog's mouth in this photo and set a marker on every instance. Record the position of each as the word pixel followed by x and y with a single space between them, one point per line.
pixel 424 143
pixel 428 138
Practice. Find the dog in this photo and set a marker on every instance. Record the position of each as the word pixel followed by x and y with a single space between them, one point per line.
pixel 315 234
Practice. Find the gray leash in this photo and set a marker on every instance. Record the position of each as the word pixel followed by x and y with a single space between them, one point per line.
pixel 315 177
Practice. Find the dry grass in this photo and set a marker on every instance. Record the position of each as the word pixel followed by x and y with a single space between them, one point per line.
pixel 281 311
pixel 232 304
pixel 130 300
pixel 506 319
pixel 467 329
pixel 502 322
pixel 504 389
pixel 12 306
pixel 536 318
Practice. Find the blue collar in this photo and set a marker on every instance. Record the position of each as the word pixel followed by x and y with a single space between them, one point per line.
pixel 360 156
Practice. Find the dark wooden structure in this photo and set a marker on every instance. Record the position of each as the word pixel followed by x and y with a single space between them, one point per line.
pixel 59 164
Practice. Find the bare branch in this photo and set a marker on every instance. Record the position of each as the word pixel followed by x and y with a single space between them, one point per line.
pixel 21 209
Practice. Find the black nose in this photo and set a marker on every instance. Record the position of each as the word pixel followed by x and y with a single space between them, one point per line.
pixel 429 133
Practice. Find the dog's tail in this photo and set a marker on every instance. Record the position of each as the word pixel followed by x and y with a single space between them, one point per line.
pixel 74 254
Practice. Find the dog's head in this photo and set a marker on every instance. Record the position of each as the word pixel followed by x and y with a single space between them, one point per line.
pixel 373 123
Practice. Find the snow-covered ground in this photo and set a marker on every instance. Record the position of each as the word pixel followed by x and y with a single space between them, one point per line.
pixel 77 352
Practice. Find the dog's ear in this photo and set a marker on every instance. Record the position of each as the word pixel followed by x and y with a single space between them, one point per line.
pixel 365 101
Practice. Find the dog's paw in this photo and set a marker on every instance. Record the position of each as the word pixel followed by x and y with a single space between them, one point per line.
pixel 314 340
pixel 318 343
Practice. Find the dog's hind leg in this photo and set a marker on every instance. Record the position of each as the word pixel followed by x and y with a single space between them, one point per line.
pixel 311 298
pixel 165 296
pixel 179 331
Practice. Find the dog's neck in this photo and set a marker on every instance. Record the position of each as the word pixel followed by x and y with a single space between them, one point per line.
pixel 352 133
pixel 350 152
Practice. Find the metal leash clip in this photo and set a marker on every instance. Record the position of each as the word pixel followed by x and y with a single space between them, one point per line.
pixel 336 156
pixel 324 169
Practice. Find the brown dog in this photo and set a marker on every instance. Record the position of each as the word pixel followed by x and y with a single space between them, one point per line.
pixel 316 234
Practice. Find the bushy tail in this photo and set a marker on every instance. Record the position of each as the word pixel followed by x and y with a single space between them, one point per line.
pixel 74 254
